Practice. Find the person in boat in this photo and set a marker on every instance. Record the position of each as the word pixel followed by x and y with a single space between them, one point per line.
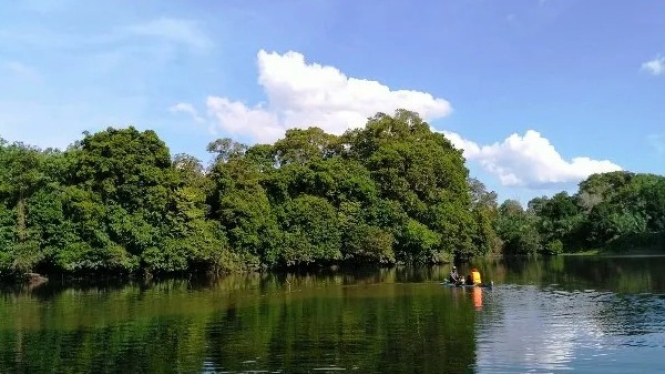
pixel 474 277
pixel 454 276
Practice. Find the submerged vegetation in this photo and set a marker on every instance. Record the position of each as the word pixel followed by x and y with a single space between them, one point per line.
pixel 394 191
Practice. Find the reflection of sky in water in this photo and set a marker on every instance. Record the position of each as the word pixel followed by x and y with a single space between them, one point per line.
pixel 523 329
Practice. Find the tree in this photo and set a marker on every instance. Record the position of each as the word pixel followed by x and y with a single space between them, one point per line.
pixel 517 229
pixel 304 146
pixel 310 231
pixel 423 172
pixel 485 212
pixel 22 176
pixel 392 191
pixel 240 204
pixel 226 149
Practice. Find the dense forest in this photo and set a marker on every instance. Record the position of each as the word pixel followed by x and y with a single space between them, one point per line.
pixel 392 192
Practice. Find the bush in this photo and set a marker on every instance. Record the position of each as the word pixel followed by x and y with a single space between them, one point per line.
pixel 554 247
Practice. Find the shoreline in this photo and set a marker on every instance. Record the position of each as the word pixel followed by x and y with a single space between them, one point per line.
pixel 629 252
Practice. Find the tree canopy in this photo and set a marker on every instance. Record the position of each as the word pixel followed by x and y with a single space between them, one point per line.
pixel 393 191
pixel 118 201
pixel 618 211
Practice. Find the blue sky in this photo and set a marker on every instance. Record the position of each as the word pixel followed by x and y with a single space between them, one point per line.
pixel 524 86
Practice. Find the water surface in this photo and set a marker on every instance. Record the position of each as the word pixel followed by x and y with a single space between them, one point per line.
pixel 565 314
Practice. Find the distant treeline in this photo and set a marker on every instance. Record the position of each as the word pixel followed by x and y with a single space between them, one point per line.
pixel 117 201
pixel 616 211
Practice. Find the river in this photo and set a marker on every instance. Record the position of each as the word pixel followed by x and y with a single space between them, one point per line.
pixel 554 315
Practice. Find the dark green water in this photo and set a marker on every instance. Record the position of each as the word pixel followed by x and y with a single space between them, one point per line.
pixel 567 314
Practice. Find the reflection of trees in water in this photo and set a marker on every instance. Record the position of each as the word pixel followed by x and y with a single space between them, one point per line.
pixel 374 328
pixel 616 274
pixel 359 317
pixel 621 274
pixel 352 319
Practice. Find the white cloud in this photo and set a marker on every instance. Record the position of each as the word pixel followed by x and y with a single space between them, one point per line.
pixel 302 94
pixel 236 118
pixel 175 30
pixel 529 161
pixel 187 109
pixel 656 66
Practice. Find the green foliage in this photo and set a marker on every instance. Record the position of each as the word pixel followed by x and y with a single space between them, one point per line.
pixel 517 229
pixel 305 146
pixel 393 191
pixel 425 175
pixel 618 211
pixel 417 242
pixel 485 213
pixel 363 242
pixel 554 247
pixel 310 231
pixel 364 237
pixel 240 205
pixel 112 202
pixel 117 201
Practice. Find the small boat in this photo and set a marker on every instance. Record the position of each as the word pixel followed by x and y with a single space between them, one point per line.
pixel 489 285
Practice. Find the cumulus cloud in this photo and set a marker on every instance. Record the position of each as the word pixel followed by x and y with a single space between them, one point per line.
pixel 529 161
pixel 187 109
pixel 236 118
pixel 301 94
pixel 656 66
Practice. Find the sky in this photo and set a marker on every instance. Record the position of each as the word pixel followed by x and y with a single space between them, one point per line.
pixel 539 94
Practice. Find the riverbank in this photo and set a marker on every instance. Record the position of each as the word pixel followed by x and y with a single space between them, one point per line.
pixel 33 280
pixel 614 252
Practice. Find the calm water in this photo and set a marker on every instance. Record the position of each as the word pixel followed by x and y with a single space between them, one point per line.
pixel 567 314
